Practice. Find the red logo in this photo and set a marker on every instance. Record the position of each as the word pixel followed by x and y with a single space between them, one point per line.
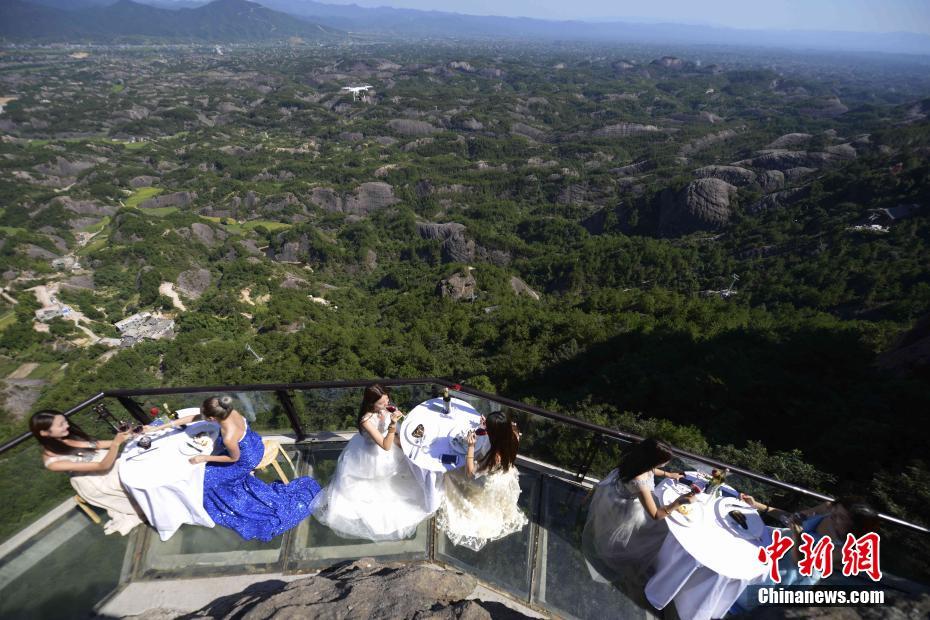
pixel 819 556
pixel 774 552
pixel 860 555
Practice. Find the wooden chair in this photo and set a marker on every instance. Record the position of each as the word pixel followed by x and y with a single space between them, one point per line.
pixel 272 450
pixel 83 505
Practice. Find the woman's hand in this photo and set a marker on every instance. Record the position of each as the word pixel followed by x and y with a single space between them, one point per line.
pixel 200 458
pixel 120 438
pixel 674 475
pixel 687 498
pixel 397 415
pixel 749 499
pixel 471 439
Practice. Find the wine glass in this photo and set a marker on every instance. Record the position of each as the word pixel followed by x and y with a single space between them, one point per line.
pixel 123 426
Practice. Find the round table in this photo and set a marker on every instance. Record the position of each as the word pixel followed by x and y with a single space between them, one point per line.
pixel 435 454
pixel 162 480
pixel 707 559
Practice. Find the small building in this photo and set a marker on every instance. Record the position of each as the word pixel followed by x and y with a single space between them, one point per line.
pixel 66 263
pixel 142 326
pixel 49 313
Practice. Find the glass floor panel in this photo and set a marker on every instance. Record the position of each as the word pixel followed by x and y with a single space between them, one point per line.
pixel 200 551
pixel 70 565
pixel 315 545
pixel 564 585
pixel 505 562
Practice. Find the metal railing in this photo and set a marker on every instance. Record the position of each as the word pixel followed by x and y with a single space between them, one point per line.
pixel 281 392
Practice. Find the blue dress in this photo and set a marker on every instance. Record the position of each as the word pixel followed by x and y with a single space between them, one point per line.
pixel 253 508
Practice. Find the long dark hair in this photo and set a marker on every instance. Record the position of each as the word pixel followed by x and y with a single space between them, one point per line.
pixel 373 394
pixel 643 457
pixel 864 517
pixel 217 407
pixel 503 439
pixel 42 421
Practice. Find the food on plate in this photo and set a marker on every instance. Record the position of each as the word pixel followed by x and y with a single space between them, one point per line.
pixel 684 509
pixel 418 432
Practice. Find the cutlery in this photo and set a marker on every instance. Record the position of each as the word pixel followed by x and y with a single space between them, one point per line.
pixel 141 453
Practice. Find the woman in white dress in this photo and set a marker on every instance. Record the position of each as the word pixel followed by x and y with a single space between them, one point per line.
pixel 373 494
pixel 624 531
pixel 480 501
pixel 91 464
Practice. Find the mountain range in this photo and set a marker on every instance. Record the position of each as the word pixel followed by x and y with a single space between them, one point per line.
pixel 125 20
pixel 239 20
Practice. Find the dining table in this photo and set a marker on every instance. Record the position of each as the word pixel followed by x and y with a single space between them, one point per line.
pixel 437 451
pixel 166 486
pixel 709 556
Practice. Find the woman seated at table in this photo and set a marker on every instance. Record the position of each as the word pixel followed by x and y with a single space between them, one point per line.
pixel 232 496
pixel 623 532
pixel 373 494
pixel 836 519
pixel 480 501
pixel 91 463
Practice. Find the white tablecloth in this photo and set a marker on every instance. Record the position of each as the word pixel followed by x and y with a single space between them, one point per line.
pixel 163 482
pixel 707 560
pixel 426 459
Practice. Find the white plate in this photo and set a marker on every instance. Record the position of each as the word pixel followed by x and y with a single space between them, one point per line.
pixel 462 448
pixel 754 524
pixel 187 450
pixel 408 433
pixel 694 516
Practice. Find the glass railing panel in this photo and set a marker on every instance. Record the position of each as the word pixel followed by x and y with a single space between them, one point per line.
pixel 69 565
pixel 315 545
pixel 336 409
pixel 563 582
pixel 263 410
pixel 561 445
pixel 506 563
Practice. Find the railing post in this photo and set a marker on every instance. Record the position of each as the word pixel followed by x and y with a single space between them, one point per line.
pixel 284 398
pixel 134 409
pixel 588 459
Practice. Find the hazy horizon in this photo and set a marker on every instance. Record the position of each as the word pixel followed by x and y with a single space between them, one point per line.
pixel 829 15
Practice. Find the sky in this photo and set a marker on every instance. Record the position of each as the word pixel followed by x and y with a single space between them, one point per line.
pixel 849 15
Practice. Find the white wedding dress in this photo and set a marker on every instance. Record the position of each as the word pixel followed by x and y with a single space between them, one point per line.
pixel 103 490
pixel 477 510
pixel 373 494
pixel 619 537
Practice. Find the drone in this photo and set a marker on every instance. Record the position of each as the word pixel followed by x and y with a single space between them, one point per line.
pixel 355 90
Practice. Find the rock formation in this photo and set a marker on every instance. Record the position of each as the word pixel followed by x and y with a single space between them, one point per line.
pixel 703 204
pixel 734 175
pixel 459 287
pixel 364 589
pixel 193 282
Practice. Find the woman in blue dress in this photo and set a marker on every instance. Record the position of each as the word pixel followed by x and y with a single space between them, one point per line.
pixel 849 514
pixel 231 495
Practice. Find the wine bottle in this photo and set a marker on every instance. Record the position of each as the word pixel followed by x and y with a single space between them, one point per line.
pixel 447 400
pixel 173 415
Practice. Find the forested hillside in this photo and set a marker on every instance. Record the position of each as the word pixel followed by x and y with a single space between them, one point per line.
pixel 729 253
